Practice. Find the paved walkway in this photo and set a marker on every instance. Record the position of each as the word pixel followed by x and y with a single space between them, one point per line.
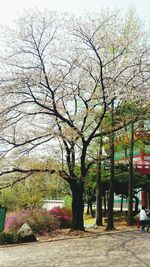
pixel 128 249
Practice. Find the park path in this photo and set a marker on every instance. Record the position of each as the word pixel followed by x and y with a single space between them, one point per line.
pixel 126 249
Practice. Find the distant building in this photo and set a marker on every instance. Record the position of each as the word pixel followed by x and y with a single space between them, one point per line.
pixel 141 154
pixel 50 204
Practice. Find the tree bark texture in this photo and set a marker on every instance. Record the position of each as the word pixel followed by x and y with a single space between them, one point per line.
pixel 77 205
pixel 99 215
pixel 110 224
pixel 130 184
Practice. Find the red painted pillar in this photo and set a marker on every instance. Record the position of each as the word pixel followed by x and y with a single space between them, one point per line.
pixel 142 155
pixel 144 199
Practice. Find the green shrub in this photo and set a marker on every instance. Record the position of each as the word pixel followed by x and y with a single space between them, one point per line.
pixel 9 238
pixel 67 202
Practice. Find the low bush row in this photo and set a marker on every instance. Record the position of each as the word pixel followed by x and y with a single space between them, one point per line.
pixel 15 238
pixel 10 238
pixel 41 221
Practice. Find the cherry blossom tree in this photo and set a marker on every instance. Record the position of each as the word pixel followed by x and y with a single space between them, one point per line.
pixel 59 78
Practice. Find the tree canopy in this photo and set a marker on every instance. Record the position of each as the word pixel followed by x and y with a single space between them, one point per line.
pixel 59 78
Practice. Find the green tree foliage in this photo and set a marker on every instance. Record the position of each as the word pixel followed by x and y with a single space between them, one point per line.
pixel 31 192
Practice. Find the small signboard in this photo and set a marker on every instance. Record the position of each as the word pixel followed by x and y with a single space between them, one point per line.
pixel 2 218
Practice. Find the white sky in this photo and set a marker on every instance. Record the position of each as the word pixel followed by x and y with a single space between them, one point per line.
pixel 9 9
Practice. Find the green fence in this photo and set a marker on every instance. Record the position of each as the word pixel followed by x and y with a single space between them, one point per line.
pixel 2 218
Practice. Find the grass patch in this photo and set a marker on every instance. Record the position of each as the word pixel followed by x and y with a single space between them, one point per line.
pixel 88 219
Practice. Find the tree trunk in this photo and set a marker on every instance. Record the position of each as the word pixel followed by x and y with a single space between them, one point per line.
pixel 136 211
pixel 110 225
pixel 130 185
pixel 105 205
pixel 121 205
pixel 89 208
pixel 99 215
pixel 77 205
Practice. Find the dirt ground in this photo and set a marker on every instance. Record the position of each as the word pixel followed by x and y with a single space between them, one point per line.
pixel 89 231
pixel 117 249
pixel 95 247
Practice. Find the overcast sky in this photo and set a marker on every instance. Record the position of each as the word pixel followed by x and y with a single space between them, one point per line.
pixel 10 9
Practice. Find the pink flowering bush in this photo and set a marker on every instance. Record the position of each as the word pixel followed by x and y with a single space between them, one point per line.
pixel 16 220
pixel 39 220
pixel 64 216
